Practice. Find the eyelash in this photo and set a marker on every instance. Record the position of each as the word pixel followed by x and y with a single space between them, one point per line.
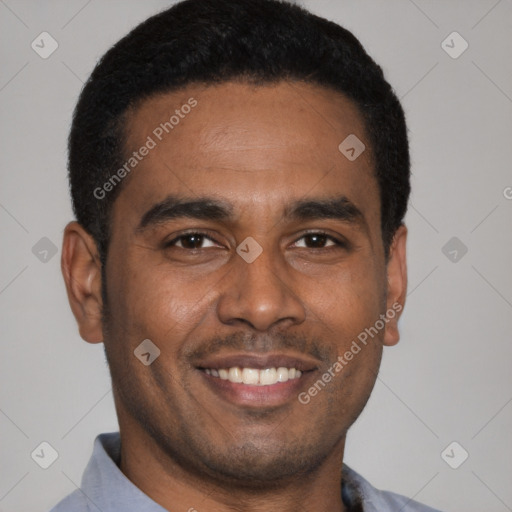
pixel 337 242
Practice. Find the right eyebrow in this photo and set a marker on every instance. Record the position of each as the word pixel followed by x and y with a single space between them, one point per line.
pixel 172 207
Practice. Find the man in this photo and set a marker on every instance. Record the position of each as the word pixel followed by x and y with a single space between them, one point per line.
pixel 239 173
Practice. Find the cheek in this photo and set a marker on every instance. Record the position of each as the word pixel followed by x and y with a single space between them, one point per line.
pixel 148 301
pixel 347 301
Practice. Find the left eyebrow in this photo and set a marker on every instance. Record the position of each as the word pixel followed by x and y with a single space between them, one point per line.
pixel 337 208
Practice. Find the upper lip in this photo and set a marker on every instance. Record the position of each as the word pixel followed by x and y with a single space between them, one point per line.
pixel 301 362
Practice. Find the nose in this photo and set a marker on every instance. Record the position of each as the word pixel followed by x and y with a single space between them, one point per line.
pixel 261 294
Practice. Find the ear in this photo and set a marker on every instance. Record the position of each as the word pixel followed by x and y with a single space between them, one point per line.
pixel 81 268
pixel 397 285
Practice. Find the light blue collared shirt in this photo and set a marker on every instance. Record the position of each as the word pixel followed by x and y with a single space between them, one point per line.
pixel 106 489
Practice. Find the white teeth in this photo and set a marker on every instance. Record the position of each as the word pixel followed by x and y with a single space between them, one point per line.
pixel 253 376
pixel 250 376
pixel 282 374
pixel 235 374
pixel 268 376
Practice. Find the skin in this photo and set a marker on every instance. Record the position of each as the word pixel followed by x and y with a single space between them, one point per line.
pixel 258 148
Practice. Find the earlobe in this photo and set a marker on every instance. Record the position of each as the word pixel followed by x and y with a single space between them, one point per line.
pixel 81 269
pixel 397 285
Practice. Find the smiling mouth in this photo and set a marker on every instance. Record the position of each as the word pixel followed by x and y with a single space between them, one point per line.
pixel 254 376
pixel 257 380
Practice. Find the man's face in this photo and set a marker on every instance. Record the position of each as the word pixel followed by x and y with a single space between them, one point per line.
pixel 261 154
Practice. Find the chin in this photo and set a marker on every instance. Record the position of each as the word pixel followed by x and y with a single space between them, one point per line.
pixel 253 466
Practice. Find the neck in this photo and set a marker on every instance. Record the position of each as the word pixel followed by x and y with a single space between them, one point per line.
pixel 175 488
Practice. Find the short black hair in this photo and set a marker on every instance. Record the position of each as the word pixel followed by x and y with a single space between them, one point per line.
pixel 214 41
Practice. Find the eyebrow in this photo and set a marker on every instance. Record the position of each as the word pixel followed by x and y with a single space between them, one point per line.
pixel 208 208
pixel 173 207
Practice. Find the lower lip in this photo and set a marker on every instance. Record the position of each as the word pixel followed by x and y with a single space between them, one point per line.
pixel 256 396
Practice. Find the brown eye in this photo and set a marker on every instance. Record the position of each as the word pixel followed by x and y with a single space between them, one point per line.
pixel 191 241
pixel 318 241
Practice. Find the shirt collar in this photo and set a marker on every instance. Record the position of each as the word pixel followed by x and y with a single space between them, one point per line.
pixel 109 490
pixel 106 486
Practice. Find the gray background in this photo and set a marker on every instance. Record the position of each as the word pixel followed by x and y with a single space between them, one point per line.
pixel 447 380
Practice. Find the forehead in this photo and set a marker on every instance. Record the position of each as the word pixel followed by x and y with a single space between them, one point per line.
pixel 252 145
pixel 239 117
